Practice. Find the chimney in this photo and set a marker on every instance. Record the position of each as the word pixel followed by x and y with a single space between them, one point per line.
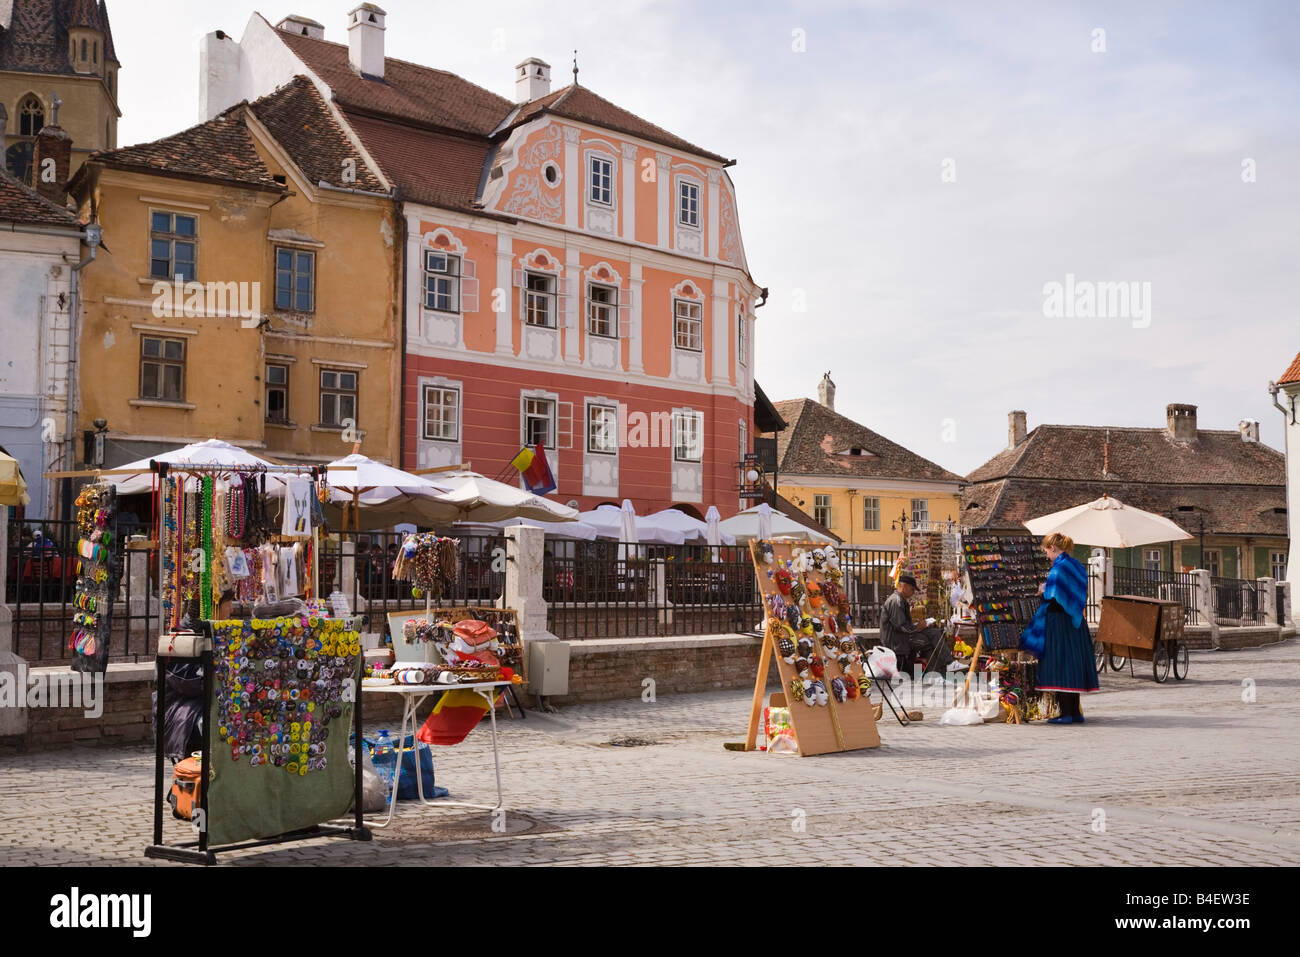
pixel 301 26
pixel 1181 421
pixel 826 392
pixel 52 163
pixel 366 40
pixel 1249 429
pixel 1016 428
pixel 532 80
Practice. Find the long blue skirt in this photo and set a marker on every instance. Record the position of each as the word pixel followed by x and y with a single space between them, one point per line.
pixel 1067 663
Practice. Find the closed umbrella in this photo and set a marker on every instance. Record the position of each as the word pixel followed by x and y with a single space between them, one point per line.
pixel 713 519
pixel 764 521
pixel 1108 523
pixel 628 528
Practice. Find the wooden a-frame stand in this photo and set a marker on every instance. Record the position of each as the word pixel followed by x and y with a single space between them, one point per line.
pixel 818 729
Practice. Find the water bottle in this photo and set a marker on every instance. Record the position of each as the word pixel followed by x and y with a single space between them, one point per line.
pixel 385 760
pixel 383 743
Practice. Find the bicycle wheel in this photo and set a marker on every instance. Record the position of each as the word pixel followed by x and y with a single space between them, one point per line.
pixel 1116 662
pixel 1182 659
pixel 1160 662
pixel 1099 652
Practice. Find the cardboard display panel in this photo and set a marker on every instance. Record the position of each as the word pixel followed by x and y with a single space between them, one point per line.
pixel 504 620
pixel 847 725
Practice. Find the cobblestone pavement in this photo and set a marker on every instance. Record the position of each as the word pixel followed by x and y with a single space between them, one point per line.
pixel 1182 773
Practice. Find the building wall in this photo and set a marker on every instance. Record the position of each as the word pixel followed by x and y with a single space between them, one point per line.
pixel 35 271
pixel 847 511
pixel 353 328
pixel 1289 397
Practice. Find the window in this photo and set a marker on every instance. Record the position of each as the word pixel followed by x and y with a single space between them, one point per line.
pixel 441 282
pixel 338 397
pixel 602 429
pixel 920 511
pixel 688 436
pixel 539 423
pixel 441 413
pixel 688 326
pixel 539 300
pixel 94 56
pixel 31 116
pixel 277 393
pixel 295 280
pixel 1151 560
pixel 742 339
pixel 602 310
pixel 173 245
pixel 688 204
pixel 1277 565
pixel 83 48
pixel 1210 562
pixel 822 510
pixel 162 369
pixel 870 513
pixel 602 181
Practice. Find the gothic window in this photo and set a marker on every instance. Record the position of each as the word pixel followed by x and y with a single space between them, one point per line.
pixel 31 116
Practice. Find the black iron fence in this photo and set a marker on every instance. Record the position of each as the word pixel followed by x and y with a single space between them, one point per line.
pixel 616 590
pixel 1236 601
pixel 1152 583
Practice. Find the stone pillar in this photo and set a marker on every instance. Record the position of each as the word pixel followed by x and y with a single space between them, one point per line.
pixel 1204 598
pixel 1284 598
pixel 13 714
pixel 525 553
pixel 1265 591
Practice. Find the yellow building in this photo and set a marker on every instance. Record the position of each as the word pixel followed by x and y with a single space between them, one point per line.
pixel 281 334
pixel 57 64
pixel 857 483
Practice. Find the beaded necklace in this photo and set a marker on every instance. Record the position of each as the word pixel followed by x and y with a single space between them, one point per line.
pixel 205 555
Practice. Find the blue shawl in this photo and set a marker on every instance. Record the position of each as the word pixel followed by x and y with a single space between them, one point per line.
pixel 1067 583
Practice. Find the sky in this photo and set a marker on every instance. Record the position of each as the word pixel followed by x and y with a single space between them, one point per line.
pixel 913 178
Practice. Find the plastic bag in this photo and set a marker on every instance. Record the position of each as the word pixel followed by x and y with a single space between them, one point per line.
pixel 883 661
pixel 961 717
pixel 374 790
pixel 386 765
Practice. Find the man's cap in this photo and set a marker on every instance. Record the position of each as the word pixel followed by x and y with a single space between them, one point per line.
pixel 908 580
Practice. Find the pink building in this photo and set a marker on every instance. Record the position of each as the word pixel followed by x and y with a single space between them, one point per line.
pixel 573 274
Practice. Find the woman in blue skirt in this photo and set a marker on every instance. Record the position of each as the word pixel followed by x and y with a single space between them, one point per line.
pixel 1058 634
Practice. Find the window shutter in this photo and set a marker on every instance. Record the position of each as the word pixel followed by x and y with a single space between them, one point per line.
pixel 469 287
pixel 519 278
pixel 624 317
pixel 562 304
pixel 564 426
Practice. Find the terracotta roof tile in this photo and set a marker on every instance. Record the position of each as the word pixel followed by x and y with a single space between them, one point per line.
pixel 220 150
pixel 301 122
pixel 1136 455
pixel 419 94
pixel 428 167
pixel 579 103
pixel 18 204
pixel 36 40
pixel 1292 373
pixel 1240 510
pixel 816 435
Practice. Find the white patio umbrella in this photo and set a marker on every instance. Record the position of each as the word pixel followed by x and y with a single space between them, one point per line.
pixel 579 531
pixel 608 522
pixel 749 525
pixel 692 529
pixel 357 481
pixel 211 452
pixel 1108 523
pixel 478 498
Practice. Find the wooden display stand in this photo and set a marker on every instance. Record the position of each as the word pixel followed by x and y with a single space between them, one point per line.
pixel 1132 626
pixel 818 729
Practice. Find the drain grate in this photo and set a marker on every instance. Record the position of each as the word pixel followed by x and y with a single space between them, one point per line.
pixel 631 742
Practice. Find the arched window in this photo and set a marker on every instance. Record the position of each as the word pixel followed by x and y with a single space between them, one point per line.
pixel 31 116
pixel 83 48
pixel 95 48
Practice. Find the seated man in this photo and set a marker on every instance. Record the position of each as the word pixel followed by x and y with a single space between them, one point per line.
pixel 909 641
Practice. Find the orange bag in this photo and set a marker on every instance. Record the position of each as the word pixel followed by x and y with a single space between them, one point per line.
pixel 187 788
pixel 474 632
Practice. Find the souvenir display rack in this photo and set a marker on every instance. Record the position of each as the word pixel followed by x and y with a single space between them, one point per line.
pixel 1004 573
pixel 99 571
pixel 810 633
pixel 932 558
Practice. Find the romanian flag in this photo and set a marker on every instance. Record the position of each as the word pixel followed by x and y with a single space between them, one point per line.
pixel 532 465
pixel 457 713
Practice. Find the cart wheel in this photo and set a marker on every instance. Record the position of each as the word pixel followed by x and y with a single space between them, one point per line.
pixel 1099 652
pixel 1116 662
pixel 1182 658
pixel 1160 662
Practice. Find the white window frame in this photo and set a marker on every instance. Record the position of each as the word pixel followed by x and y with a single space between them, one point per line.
pixel 871 513
pixel 1217 569
pixel 823 510
pixel 609 432
pixel 696 321
pixel 1277 565
pixel 454 281
pixel 549 297
pixel 688 436
pixel 683 184
pixel 278 386
pixel 920 516
pixel 296 256
pixel 1151 559
pixel 425 421
pixel 337 391
pixel 742 338
pixel 163 361
pixel 553 426
pixel 610 309
pixel 593 187
pixel 172 237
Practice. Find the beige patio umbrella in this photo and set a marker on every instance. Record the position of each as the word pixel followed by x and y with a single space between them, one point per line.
pixel 13 487
pixel 1108 523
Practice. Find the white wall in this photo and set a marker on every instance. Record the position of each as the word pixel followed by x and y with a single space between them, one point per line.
pixel 1290 395
pixel 230 72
